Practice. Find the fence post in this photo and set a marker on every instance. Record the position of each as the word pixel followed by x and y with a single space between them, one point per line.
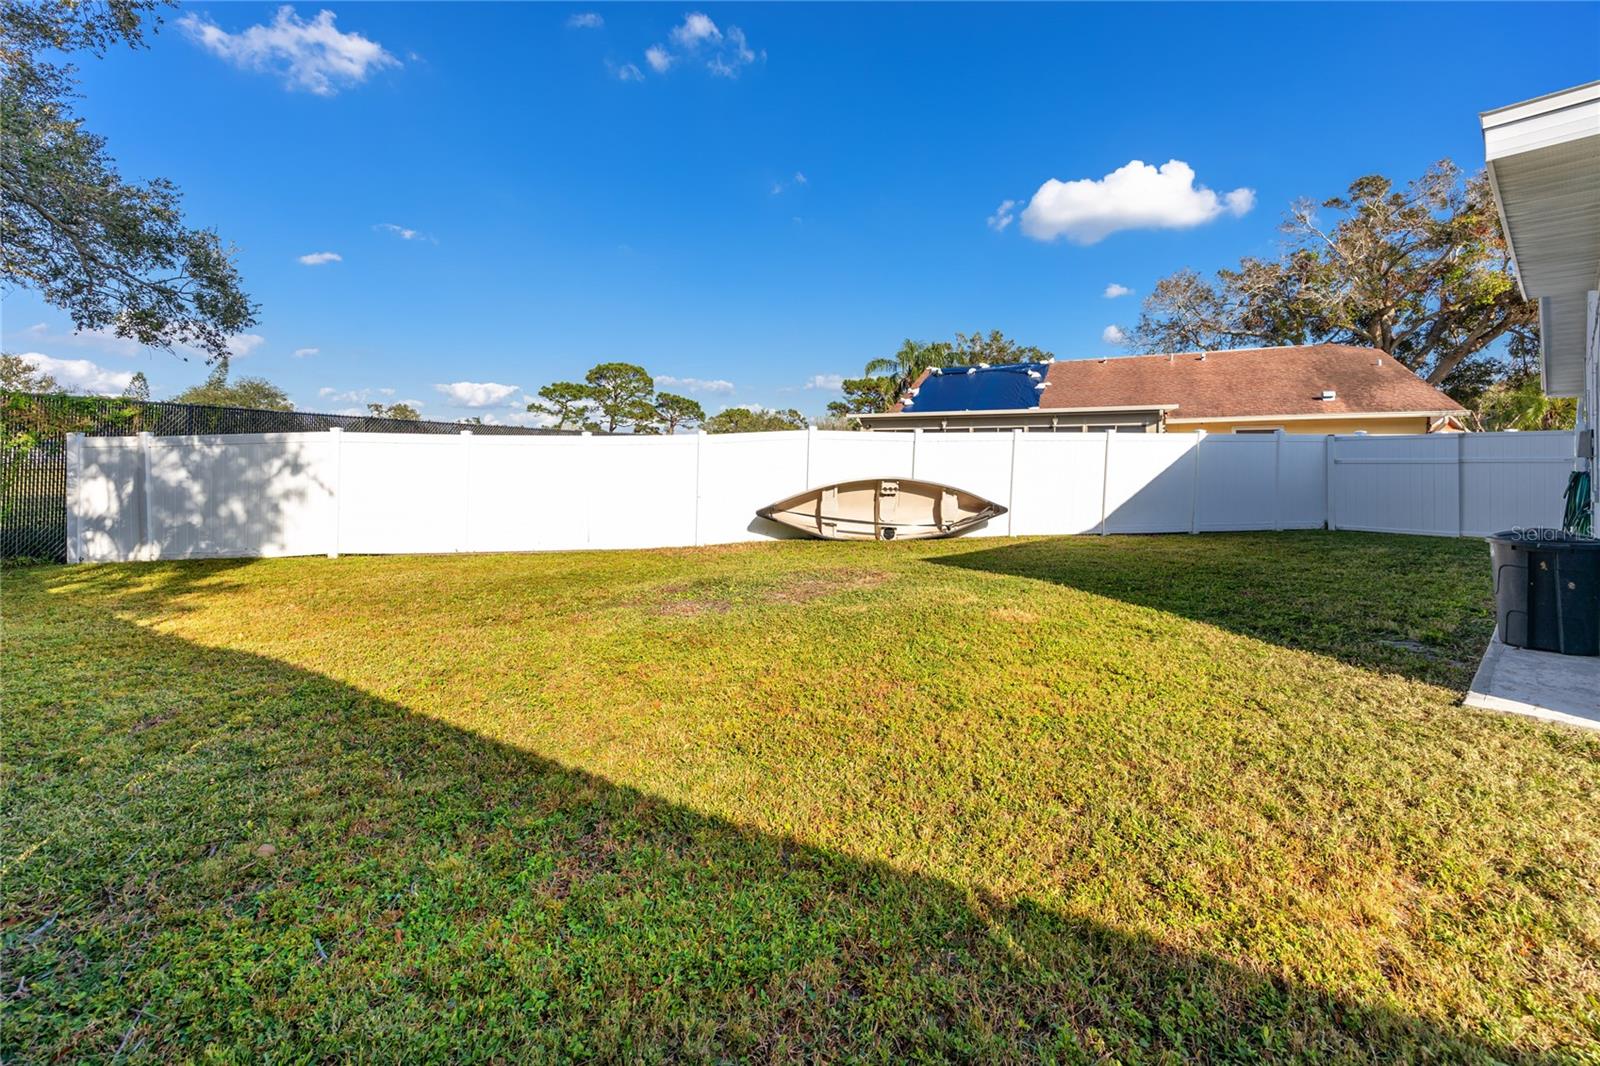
pixel 334 486
pixel 1328 466
pixel 1105 479
pixel 1461 484
pixel 466 490
pixel 147 538
pixel 916 438
pixel 699 453
pixel 74 486
pixel 1194 486
pixel 1011 500
pixel 1277 479
pixel 811 439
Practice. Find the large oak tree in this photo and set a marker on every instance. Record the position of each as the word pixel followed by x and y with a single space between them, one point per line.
pixel 112 254
pixel 1421 272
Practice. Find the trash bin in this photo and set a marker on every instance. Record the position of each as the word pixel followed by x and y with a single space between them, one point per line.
pixel 1547 590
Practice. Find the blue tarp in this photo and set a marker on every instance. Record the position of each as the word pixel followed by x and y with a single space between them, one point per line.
pixel 995 388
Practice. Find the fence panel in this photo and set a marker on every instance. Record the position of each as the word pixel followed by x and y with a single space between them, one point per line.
pixel 1512 479
pixel 1397 484
pixel 976 462
pixel 1150 482
pixel 304 493
pixel 1231 471
pixel 206 496
pixel 741 472
pixel 1060 483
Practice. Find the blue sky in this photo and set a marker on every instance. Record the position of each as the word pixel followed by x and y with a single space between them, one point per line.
pixel 517 192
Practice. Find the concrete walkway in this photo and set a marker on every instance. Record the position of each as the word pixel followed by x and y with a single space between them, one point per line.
pixel 1541 684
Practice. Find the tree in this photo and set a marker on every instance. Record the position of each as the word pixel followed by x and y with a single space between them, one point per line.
pixel 402 411
pixel 673 411
pixel 217 391
pixel 1519 402
pixel 994 349
pixel 570 403
pixel 138 387
pixel 110 253
pixel 868 395
pixel 622 394
pixel 19 375
pixel 908 363
pixel 745 420
pixel 1422 273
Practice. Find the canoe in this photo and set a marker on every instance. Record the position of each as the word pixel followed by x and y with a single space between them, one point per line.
pixel 882 509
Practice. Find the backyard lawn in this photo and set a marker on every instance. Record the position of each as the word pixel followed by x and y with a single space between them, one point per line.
pixel 1063 799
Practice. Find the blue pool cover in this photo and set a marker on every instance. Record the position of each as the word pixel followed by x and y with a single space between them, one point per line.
pixel 995 388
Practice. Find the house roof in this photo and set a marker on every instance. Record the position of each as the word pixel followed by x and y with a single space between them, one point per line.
pixel 1240 383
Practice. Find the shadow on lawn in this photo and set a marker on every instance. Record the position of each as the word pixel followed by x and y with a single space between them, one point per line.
pixel 1418 606
pixel 438 895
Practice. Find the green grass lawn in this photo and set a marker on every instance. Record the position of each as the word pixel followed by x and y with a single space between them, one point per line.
pixel 1070 799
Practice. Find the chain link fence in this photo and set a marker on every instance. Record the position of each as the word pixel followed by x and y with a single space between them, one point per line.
pixel 34 428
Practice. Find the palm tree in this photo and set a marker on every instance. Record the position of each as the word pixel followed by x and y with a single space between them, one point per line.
pixel 909 362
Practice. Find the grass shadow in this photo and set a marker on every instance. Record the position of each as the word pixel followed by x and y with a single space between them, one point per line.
pixel 217 854
pixel 1375 601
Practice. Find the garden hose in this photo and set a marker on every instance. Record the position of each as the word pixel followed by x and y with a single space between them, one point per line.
pixel 1578 517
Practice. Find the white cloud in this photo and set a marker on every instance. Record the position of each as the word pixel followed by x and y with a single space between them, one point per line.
pixel 1135 196
pixel 301 353
pixel 799 178
pixel 311 56
pixel 312 259
pixel 1003 215
pixel 107 342
pixel 659 58
pixel 1113 335
pixel 779 186
pixel 696 27
pixel 477 393
pixel 240 344
pixel 830 382
pixel 667 381
pixel 403 232
pixel 724 52
pixel 628 72
pixel 1114 290
pixel 79 375
pixel 585 20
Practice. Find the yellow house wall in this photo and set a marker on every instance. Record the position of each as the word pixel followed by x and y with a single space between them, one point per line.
pixel 1319 426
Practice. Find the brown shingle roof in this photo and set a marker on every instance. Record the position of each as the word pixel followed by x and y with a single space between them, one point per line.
pixel 1248 381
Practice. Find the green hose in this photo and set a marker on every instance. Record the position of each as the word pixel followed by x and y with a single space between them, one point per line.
pixel 1578 517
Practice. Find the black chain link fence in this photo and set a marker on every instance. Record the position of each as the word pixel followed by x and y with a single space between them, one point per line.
pixel 34 428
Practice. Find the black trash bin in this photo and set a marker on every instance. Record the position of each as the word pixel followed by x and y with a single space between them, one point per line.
pixel 1547 590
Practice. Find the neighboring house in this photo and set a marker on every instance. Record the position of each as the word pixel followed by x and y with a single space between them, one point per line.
pixel 1544 164
pixel 1315 388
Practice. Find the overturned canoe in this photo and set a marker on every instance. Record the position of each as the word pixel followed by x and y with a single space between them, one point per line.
pixel 882 509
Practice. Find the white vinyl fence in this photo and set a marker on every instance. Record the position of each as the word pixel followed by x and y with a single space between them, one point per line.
pixel 146 497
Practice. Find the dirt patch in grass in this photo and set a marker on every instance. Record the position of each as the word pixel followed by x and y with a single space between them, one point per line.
pixel 802 588
pixel 690 599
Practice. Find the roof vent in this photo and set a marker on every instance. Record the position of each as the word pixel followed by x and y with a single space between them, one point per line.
pixel 972 370
pixel 1042 386
pixel 1034 374
pixel 937 371
pixel 1329 394
pixel 1377 362
pixel 913 392
pixel 1202 357
pixel 906 401
pixel 983 366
